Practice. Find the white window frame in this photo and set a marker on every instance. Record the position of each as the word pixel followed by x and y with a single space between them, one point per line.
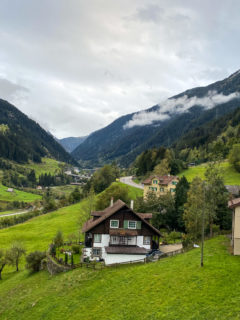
pixel 100 238
pixel 129 224
pixel 146 241
pixel 112 226
pixel 114 240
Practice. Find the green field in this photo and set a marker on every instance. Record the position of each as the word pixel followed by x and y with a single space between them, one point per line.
pixel 17 195
pixel 38 232
pixel 63 190
pixel 230 175
pixel 47 165
pixel 133 193
pixel 172 288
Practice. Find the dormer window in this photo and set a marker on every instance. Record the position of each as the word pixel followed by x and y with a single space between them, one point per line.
pixel 155 181
pixel 114 224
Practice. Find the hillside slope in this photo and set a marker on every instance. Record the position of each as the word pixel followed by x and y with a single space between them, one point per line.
pixel 173 288
pixel 119 141
pixel 22 139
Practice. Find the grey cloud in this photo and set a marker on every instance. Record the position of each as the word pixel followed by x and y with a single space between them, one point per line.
pixel 178 106
pixel 81 58
pixel 10 90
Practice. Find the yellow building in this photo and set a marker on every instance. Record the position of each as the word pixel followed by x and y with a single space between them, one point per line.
pixel 235 205
pixel 160 185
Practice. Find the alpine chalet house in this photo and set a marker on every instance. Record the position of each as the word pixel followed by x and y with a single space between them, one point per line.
pixel 160 185
pixel 118 234
pixel 235 205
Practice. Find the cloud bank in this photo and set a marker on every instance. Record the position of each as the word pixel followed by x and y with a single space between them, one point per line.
pixel 85 63
pixel 177 106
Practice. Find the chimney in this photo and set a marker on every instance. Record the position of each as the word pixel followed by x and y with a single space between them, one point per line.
pixel 132 204
pixel 111 203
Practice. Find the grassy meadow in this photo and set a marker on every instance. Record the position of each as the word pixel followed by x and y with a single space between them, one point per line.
pixel 230 175
pixel 47 165
pixel 172 288
pixel 38 232
pixel 17 195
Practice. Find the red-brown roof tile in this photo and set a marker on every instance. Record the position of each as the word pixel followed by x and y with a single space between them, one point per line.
pixel 234 203
pixel 163 180
pixel 108 212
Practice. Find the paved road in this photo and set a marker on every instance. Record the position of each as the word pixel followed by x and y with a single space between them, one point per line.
pixel 128 180
pixel 14 213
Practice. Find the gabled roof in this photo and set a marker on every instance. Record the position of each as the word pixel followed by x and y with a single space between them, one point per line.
pixel 119 204
pixel 165 180
pixel 234 203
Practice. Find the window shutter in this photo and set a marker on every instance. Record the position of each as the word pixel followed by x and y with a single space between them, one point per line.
pixel 139 224
pixel 125 224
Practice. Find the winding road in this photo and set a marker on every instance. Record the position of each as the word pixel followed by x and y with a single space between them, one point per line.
pixel 14 213
pixel 128 180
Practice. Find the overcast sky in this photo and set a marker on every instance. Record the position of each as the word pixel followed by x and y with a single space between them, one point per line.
pixel 75 65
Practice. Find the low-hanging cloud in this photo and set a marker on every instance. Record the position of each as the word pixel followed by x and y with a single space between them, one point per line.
pixel 177 106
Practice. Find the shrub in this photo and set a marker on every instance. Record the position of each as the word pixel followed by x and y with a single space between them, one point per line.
pixel 34 260
pixel 173 236
pixel 53 250
pixel 66 258
pixel 187 241
pixel 76 249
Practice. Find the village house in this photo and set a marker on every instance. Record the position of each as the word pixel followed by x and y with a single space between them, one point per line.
pixel 118 234
pixel 160 185
pixel 235 205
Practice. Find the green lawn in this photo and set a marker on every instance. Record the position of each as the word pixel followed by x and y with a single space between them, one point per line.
pixel 231 176
pixel 17 195
pixel 132 192
pixel 173 288
pixel 46 166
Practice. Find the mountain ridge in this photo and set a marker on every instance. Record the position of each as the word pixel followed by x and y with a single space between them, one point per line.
pixel 114 143
pixel 71 143
pixel 23 139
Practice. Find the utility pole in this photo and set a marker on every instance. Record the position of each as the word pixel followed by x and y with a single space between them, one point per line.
pixel 203 223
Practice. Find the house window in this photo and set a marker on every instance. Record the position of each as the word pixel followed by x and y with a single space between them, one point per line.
pixel 172 190
pixel 161 189
pixel 132 224
pixel 155 181
pixel 96 252
pixel 114 240
pixel 114 224
pixel 153 188
pixel 174 183
pixel 146 240
pixel 97 238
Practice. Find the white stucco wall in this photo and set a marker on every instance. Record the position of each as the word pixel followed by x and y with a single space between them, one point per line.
pixel 87 252
pixel 118 258
pixel 140 243
pixel 104 241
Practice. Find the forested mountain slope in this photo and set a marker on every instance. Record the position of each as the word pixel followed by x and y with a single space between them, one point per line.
pixel 176 117
pixel 22 139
